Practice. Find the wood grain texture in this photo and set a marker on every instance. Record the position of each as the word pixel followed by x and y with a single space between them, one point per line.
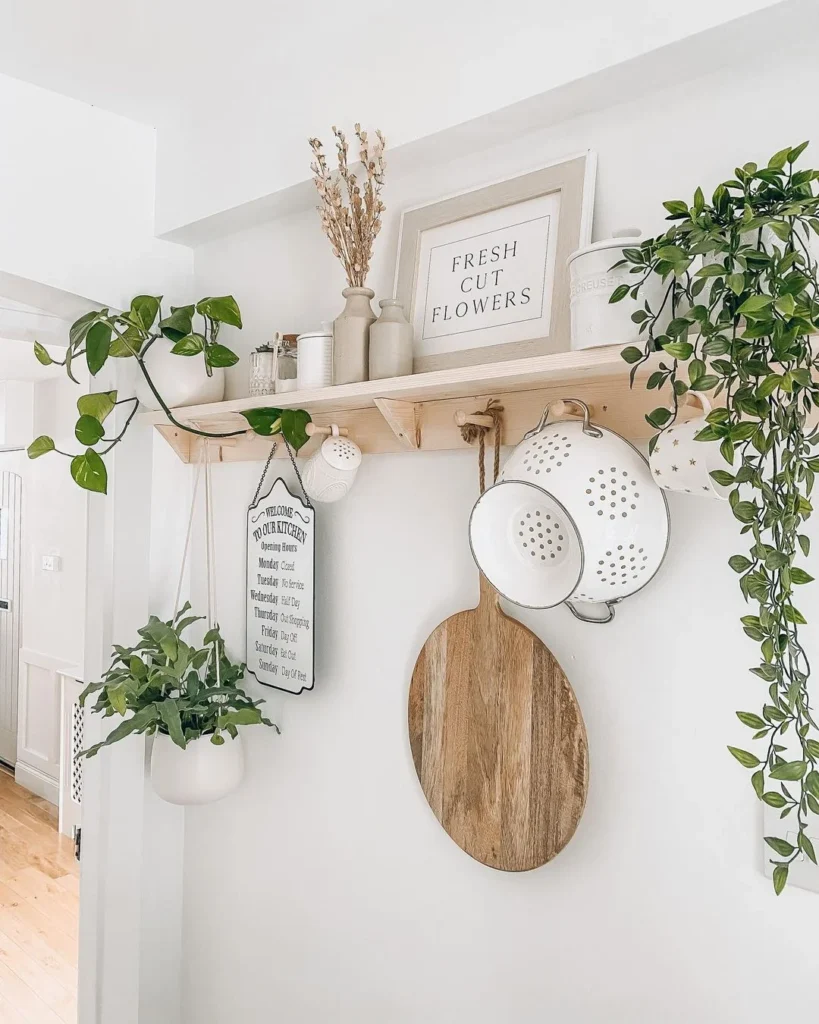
pixel 39 909
pixel 497 738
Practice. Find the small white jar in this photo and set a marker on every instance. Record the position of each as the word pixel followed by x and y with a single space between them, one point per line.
pixel 595 320
pixel 315 358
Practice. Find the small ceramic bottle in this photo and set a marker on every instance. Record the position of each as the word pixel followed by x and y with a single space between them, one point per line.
pixel 351 336
pixel 390 342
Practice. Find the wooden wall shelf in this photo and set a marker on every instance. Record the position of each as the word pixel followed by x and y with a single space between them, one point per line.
pixel 418 412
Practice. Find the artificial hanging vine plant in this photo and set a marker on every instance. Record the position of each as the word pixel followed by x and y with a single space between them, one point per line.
pixel 102 334
pixel 738 320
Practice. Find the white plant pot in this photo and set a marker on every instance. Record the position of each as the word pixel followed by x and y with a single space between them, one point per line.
pixel 200 774
pixel 181 380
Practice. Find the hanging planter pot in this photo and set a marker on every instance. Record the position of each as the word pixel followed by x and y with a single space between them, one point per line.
pixel 181 380
pixel 201 773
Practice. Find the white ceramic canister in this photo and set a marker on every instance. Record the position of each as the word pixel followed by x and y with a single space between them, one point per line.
pixel 595 320
pixel 315 358
pixel 390 342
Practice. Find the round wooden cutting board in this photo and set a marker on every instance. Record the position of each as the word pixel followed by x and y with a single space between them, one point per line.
pixel 497 738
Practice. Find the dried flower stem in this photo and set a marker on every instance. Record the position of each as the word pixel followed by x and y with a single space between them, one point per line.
pixel 351 226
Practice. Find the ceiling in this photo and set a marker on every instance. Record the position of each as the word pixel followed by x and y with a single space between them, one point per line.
pixel 149 60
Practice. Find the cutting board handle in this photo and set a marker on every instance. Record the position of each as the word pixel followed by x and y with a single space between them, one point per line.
pixel 488 592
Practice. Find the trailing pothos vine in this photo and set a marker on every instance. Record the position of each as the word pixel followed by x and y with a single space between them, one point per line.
pixel 100 335
pixel 738 319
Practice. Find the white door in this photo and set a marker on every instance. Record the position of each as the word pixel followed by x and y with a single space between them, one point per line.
pixel 11 490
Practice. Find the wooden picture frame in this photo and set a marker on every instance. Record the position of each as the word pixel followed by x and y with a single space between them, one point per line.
pixel 483 274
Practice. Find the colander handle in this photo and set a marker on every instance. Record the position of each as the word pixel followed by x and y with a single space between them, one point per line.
pixel 610 609
pixel 588 427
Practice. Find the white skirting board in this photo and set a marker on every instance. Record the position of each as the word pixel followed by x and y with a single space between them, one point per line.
pixel 36 782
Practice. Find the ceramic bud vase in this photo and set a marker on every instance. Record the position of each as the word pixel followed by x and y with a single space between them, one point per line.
pixel 351 337
pixel 390 342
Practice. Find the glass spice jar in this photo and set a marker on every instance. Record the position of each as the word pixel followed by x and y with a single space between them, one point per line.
pixel 262 371
pixel 287 363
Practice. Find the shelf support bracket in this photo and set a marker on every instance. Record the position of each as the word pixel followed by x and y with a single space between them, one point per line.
pixel 403 419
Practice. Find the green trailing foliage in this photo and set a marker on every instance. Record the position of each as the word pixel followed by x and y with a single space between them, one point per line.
pixel 100 335
pixel 166 685
pixel 737 320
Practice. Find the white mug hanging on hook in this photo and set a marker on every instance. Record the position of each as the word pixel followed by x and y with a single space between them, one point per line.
pixel 574 518
pixel 680 462
pixel 331 470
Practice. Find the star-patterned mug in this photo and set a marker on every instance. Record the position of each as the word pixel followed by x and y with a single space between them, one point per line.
pixel 681 463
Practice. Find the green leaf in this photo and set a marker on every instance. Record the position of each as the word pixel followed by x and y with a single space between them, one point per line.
pixel 789 771
pixel 178 325
pixel 758 782
pixel 223 308
pixel 220 355
pixel 711 270
pixel 620 292
pixel 724 479
pixel 774 799
pixel 80 327
pixel 659 417
pixel 676 207
pixel 781 846
pixel 118 698
pixel 265 422
pixel 40 446
pixel 778 160
pixel 126 344
pixel 190 345
pixel 796 152
pixel 736 282
pixel 812 747
pixel 707 382
pixel 755 304
pixel 751 720
pixel 812 783
pixel 99 405
pixel 169 713
pixel 804 544
pixel 294 422
pixel 679 349
pixel 42 355
pixel 144 309
pixel 97 347
pixel 799 576
pixel 632 354
pixel 89 471
pixel 769 385
pixel 88 430
pixel 739 563
pixel 806 846
pixel 746 759
pixel 780 878
pixel 785 305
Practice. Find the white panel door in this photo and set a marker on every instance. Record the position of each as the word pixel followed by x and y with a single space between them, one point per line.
pixel 11 489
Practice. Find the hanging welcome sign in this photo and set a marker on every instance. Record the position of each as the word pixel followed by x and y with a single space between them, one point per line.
pixel 280 590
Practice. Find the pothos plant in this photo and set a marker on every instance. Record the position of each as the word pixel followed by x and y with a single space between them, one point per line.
pixel 738 319
pixel 103 334
pixel 165 685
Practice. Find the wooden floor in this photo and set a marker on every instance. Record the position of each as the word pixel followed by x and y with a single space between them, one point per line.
pixel 39 908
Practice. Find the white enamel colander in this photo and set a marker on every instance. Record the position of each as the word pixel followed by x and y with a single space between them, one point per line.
pixel 574 518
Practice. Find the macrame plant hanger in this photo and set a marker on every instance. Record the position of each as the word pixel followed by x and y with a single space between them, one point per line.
pixel 210 552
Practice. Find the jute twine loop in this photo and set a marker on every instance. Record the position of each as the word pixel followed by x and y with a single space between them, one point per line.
pixel 472 432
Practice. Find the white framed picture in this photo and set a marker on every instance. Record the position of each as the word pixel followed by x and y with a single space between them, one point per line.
pixel 483 274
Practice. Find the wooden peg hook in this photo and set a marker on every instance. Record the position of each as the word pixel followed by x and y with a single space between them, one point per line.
pixel 477 419
pixel 313 428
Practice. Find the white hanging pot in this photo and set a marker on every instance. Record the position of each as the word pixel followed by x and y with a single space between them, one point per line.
pixel 181 380
pixel 201 773
pixel 574 518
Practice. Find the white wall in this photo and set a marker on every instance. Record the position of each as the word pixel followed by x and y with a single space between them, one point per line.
pixel 77 199
pixel 295 72
pixel 325 890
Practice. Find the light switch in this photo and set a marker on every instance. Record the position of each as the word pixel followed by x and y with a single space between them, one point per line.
pixel 51 563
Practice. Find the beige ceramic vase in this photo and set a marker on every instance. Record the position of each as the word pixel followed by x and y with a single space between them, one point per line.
pixel 351 337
